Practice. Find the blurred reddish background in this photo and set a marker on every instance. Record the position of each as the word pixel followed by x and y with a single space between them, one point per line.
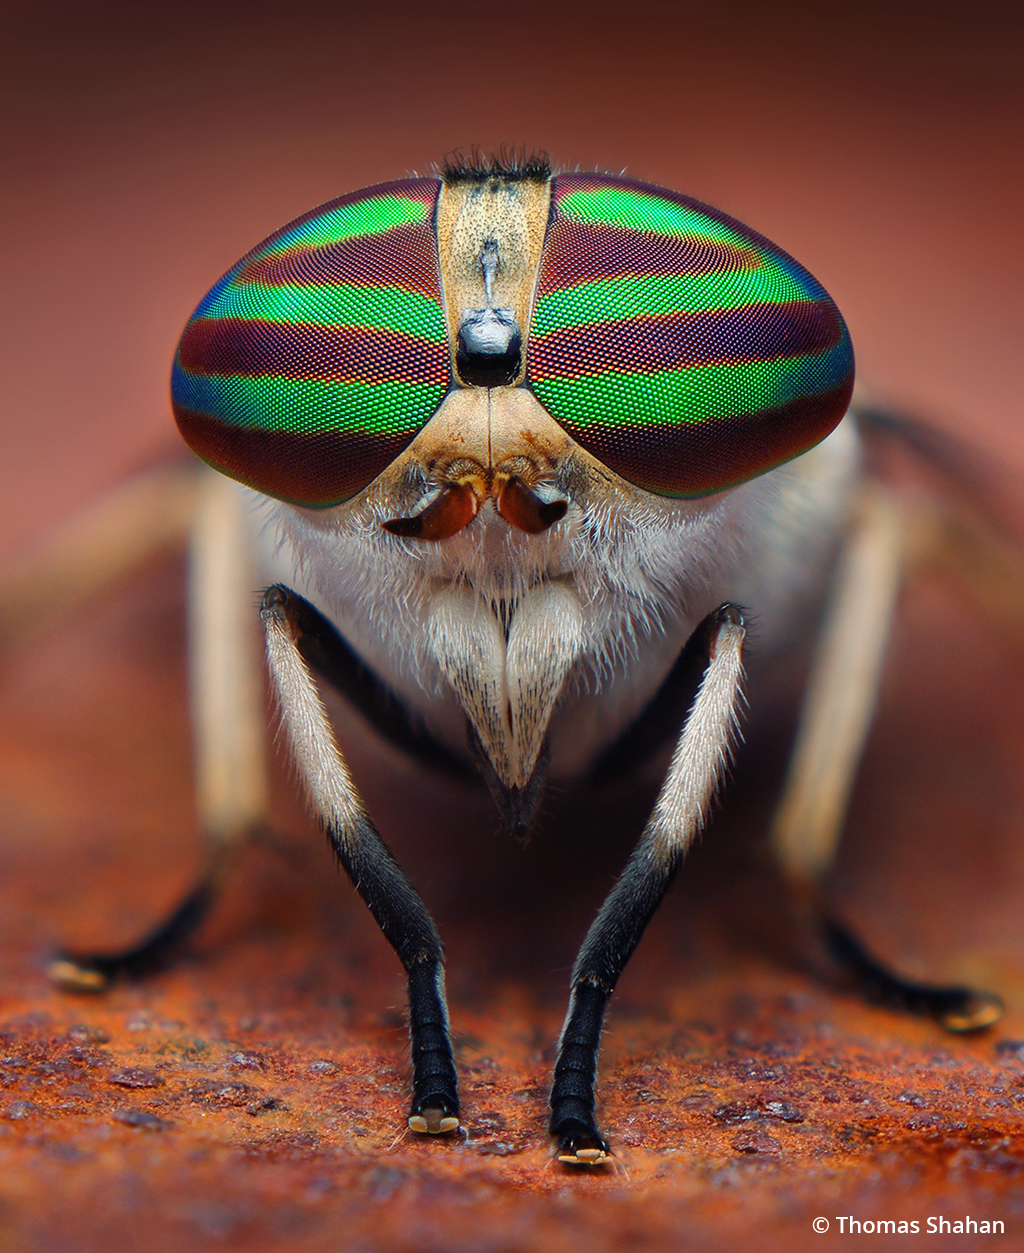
pixel 147 148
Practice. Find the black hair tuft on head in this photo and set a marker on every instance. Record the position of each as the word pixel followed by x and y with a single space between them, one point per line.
pixel 509 163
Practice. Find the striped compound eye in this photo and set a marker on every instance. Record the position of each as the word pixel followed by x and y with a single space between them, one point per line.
pixel 680 348
pixel 316 360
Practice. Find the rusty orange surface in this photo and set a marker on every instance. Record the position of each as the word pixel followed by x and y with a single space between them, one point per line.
pixel 253 1096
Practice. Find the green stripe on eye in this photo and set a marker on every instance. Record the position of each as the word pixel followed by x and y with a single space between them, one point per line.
pixel 691 396
pixel 363 217
pixel 613 299
pixel 339 304
pixel 311 406
pixel 617 206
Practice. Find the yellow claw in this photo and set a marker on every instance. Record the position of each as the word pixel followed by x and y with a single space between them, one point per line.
pixel 71 977
pixel 980 1011
pixel 433 1122
pixel 585 1157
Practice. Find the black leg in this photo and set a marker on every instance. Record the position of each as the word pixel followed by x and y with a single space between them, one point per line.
pixel 410 931
pixel 697 765
pixel 377 877
pixel 227 711
pixel 956 1009
pixel 95 972
pixel 609 945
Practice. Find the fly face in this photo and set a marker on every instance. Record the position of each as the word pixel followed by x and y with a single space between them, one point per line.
pixel 540 629
pixel 530 441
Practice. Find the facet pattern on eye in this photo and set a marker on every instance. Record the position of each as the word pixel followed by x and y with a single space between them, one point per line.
pixel 676 345
pixel 318 358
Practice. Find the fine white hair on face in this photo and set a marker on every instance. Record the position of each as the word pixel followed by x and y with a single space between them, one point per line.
pixel 507 676
pixel 638 571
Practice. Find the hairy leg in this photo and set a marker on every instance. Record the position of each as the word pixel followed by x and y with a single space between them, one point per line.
pixel 227 701
pixel 375 874
pixel 701 755
pixel 834 724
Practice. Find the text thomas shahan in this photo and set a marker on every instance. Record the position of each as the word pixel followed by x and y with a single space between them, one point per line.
pixel 936 1225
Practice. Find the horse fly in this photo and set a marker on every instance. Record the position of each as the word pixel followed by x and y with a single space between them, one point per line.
pixel 532 446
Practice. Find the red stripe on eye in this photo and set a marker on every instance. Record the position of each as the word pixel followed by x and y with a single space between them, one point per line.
pixel 404 257
pixel 583 252
pixel 301 350
pixel 317 469
pixel 695 459
pixel 676 341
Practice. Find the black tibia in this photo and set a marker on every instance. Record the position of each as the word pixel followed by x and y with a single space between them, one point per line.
pixel 608 946
pixel 410 931
pixel 325 649
pixel 954 1008
pixel 660 721
pixel 94 972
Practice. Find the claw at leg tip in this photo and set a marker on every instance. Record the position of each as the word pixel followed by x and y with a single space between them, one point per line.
pixel 571 1152
pixel 434 1122
pixel 978 1011
pixel 583 1157
pixel 72 977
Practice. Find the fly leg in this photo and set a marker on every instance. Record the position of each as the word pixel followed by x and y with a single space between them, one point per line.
pixel 700 758
pixel 369 863
pixel 834 724
pixel 227 708
pixel 99 546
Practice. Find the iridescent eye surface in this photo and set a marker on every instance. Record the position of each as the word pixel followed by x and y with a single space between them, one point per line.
pixel 315 361
pixel 677 346
pixel 680 348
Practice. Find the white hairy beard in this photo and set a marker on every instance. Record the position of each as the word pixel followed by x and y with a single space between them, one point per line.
pixel 567 633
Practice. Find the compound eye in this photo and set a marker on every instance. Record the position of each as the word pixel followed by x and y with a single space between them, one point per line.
pixel 679 347
pixel 315 361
